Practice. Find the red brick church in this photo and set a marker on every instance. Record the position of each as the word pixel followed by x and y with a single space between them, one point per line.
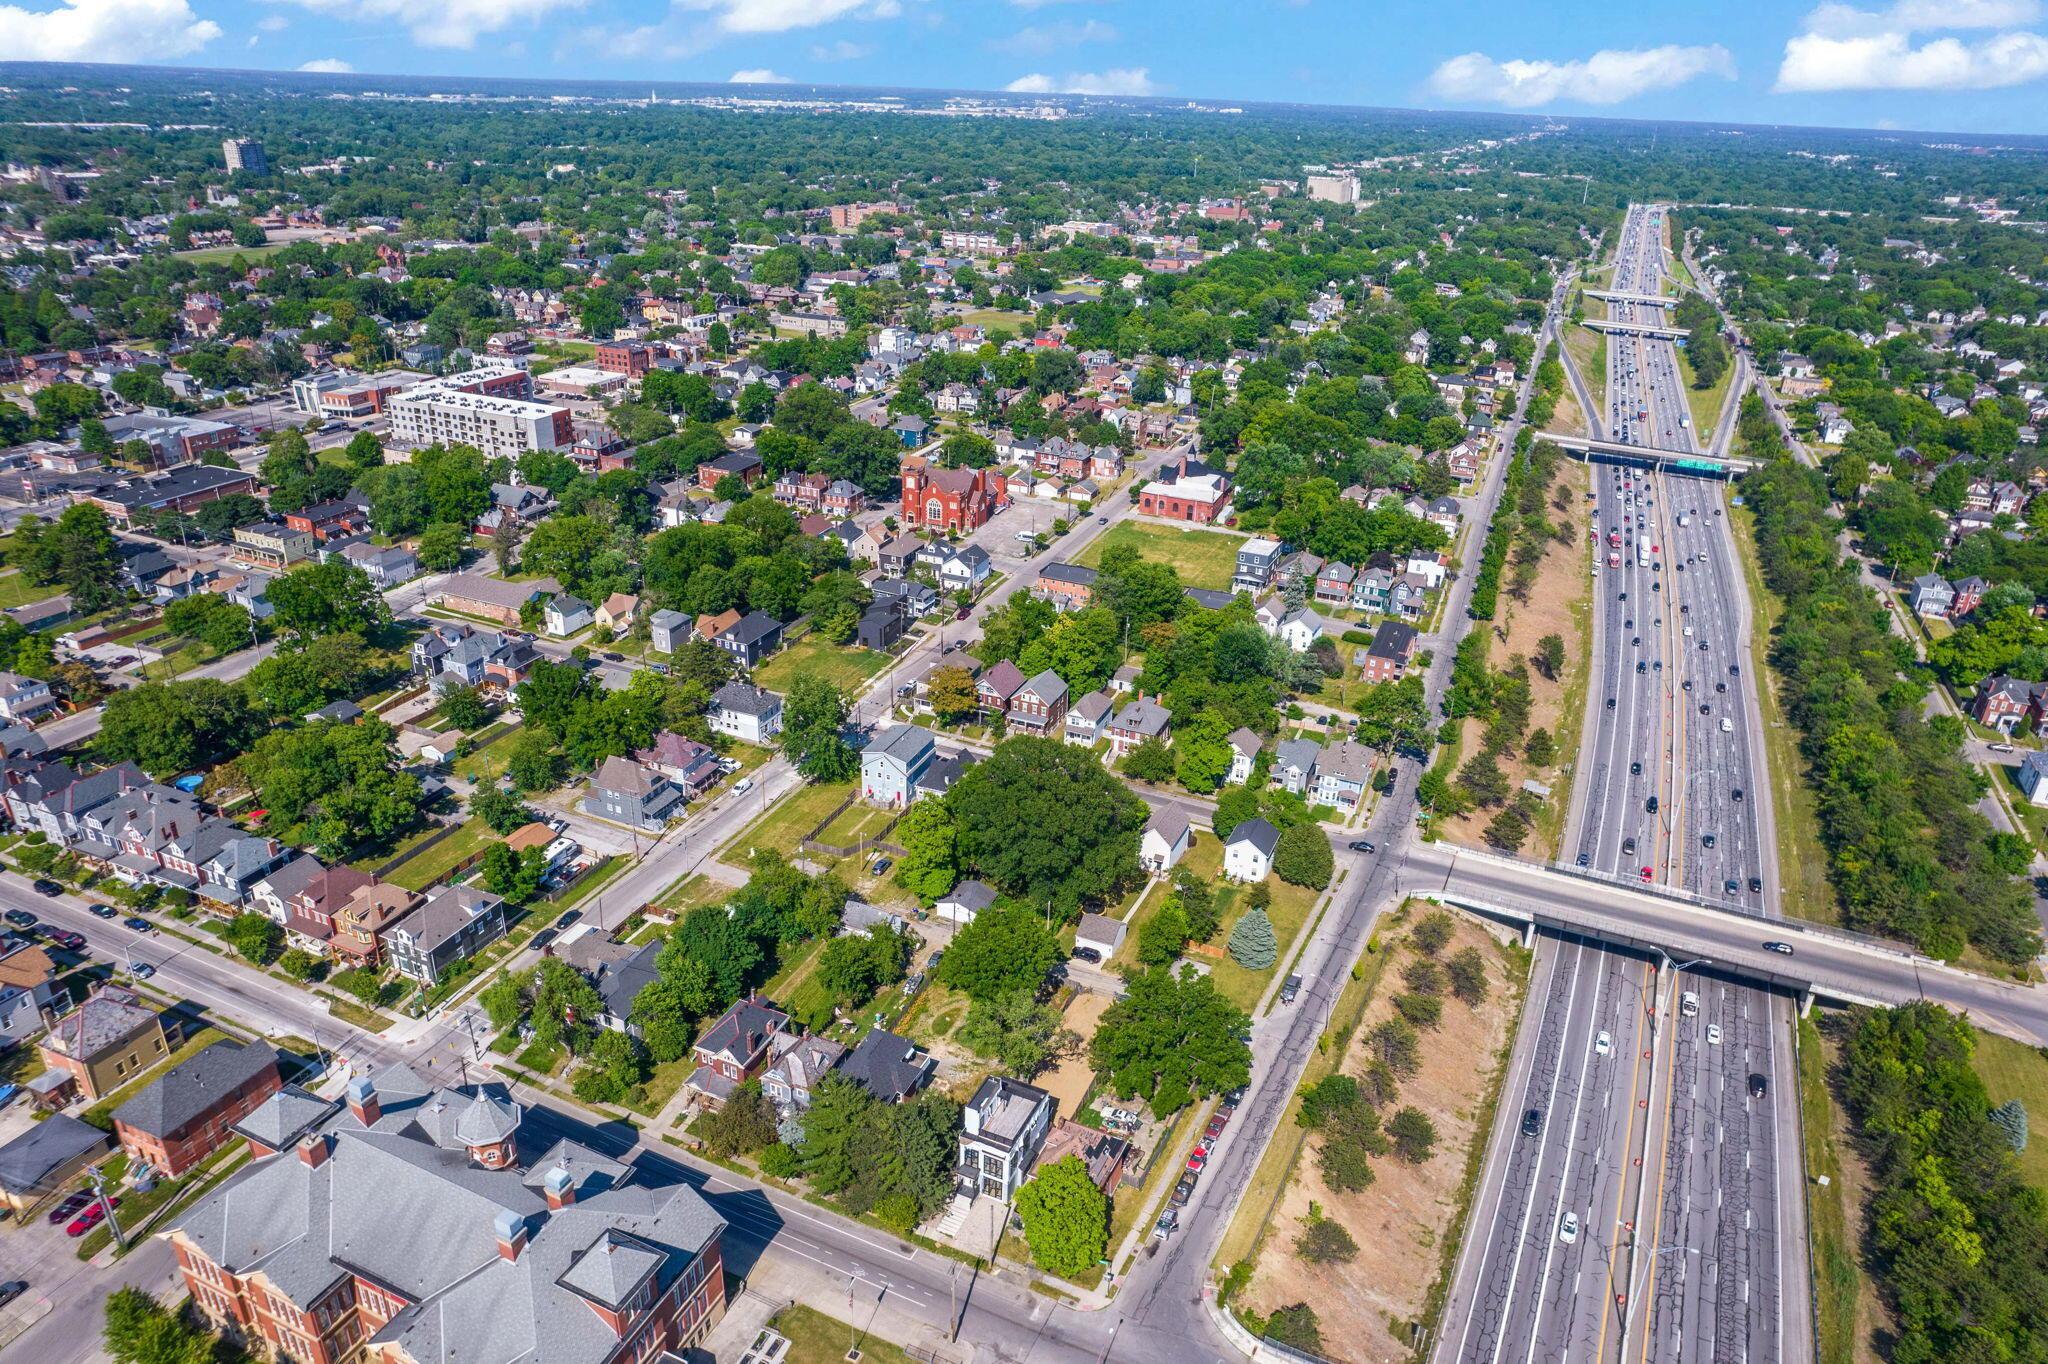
pixel 950 499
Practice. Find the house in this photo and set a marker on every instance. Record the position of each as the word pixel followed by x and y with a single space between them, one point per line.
pixel 1040 706
pixel 1001 1130
pixel 1334 584
pixel 891 765
pixel 1136 723
pixel 689 764
pixel 746 713
pixel 184 1115
pixel 1295 626
pixel 625 792
pixel 619 972
pixel 28 994
pixel 1341 775
pixel 1371 590
pixel 272 545
pixel 753 638
pixel 1386 658
pixel 452 924
pixel 739 1046
pixel 965 569
pixel 1102 1155
pixel 565 615
pixel 888 1067
pixel 1969 592
pixel 46 1157
pixel 1244 752
pixel 911 598
pixel 106 1041
pixel 1088 718
pixel 474 594
pixel 2034 777
pixel 360 922
pixel 1931 595
pixel 997 686
pixel 740 465
pixel 1248 852
pixel 1165 840
pixel 897 556
pixel 617 611
pixel 668 630
pixel 22 699
pixel 385 566
pixel 1294 764
pixel 305 897
pixel 2007 704
pixel 424 1217
pixel 789 1082
pixel 946 768
pixel 880 626
pixel 1100 934
pixel 960 904
pixel 1069 587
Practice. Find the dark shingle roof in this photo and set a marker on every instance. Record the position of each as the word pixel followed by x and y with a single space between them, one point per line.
pixel 188 1089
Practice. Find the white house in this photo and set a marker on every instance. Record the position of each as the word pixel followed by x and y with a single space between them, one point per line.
pixel 748 714
pixel 960 904
pixel 1248 852
pixel 1244 751
pixel 1101 934
pixel 1296 627
pixel 2034 777
pixel 1165 841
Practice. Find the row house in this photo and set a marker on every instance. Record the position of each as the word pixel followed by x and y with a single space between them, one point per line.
pixel 1999 498
pixel 1039 707
pixel 340 519
pixel 1069 587
pixel 294 1256
pixel 742 1043
pixel 1059 457
pixel 305 897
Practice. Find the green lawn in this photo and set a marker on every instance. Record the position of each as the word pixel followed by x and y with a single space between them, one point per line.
pixel 786 823
pixel 1204 558
pixel 222 255
pixel 846 666
pixel 423 870
pixel 1704 402
pixel 1838 1277
pixel 693 891
pixel 17 590
pixel 858 821
pixel 815 1338
pixel 1589 356
pixel 996 317
pixel 1288 911
pixel 2011 1070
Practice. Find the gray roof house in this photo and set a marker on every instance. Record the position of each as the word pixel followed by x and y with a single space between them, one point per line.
pixel 1341 775
pixel 789 1082
pixel 1294 764
pixel 748 713
pixel 891 765
pixel 668 630
pixel 625 792
pixel 450 925
pixel 1088 718
pixel 964 901
pixel 887 1066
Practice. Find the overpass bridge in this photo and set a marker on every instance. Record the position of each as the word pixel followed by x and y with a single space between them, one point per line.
pixel 1619 452
pixel 1635 329
pixel 1824 963
pixel 1652 300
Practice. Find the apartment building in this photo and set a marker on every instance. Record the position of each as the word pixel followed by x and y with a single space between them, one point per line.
pixel 490 408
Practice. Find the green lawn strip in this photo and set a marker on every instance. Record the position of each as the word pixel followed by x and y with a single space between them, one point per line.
pixel 1589 357
pixel 2010 1070
pixel 1804 890
pixel 138 1209
pixel 432 864
pixel 17 590
pixel 815 1338
pixel 846 666
pixel 355 1014
pixel 224 255
pixel 597 879
pixel 786 822
pixel 2032 818
pixel 1837 1275
pixel 1705 403
pixel 1204 558
pixel 404 848
pixel 1288 912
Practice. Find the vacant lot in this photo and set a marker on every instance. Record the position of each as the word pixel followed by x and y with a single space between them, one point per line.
pixel 2012 1071
pixel 1204 558
pixel 1068 1082
pixel 785 825
pixel 1400 1220
pixel 417 873
pixel 846 666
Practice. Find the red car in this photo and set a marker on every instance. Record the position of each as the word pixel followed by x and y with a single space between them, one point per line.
pixel 1649 874
pixel 91 1217
pixel 1198 1158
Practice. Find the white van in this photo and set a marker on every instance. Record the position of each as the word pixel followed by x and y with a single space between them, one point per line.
pixel 746 784
pixel 1727 725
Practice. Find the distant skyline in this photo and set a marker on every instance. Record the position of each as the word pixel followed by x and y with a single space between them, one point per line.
pixel 1977 66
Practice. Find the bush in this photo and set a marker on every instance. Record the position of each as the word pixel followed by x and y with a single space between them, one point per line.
pixel 1414 1135
pixel 1303 857
pixel 1423 976
pixel 781 1161
pixel 1296 1327
pixel 1467 971
pixel 1424 1011
pixel 1326 1242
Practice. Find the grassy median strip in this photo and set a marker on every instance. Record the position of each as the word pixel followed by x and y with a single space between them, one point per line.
pixel 1837 1279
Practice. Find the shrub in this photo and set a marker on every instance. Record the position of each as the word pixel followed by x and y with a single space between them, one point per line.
pixel 1424 1011
pixel 2010 1118
pixel 1414 1135
pixel 1433 933
pixel 1296 1327
pixel 1325 1242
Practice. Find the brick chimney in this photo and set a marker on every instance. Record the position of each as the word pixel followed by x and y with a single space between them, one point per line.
pixel 560 1188
pixel 315 1149
pixel 511 1229
pixel 362 1101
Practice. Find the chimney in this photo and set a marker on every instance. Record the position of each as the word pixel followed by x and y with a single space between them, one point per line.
pixel 560 1187
pixel 315 1149
pixel 511 1229
pixel 362 1100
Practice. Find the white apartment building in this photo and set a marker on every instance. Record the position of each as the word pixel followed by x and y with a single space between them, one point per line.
pixel 1333 189
pixel 487 408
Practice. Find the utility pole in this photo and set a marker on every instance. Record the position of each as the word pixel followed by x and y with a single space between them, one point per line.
pixel 99 1188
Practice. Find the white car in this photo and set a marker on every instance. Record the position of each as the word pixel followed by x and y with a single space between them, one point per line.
pixel 1568 1228
pixel 1713 1034
pixel 1603 1044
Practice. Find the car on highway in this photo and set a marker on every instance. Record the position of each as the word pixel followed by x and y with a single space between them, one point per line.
pixel 138 924
pixel 1735 794
pixel 1757 1085
pixel 1610 703
pixel 1649 874
pixel 103 911
pixel 1585 859
pixel 1628 847
pixel 1651 805
pixel 1756 885
pixel 1603 1045
pixel 1783 948
pixel 1713 1034
pixel 1706 840
pixel 21 918
pixel 1532 1122
pixel 1568 1228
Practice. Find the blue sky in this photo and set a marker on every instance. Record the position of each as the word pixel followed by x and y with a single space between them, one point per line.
pixel 1963 65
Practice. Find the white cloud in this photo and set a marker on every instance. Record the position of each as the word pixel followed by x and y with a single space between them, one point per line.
pixel 333 66
pixel 1042 40
pixel 1607 77
pixel 275 23
pixel 105 31
pixel 758 75
pixel 841 51
pixel 446 23
pixel 780 16
pixel 1118 80
pixel 1844 48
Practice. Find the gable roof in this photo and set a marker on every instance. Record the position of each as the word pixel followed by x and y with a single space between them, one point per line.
pixel 1256 832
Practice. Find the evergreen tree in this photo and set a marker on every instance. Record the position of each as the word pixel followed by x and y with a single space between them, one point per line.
pixel 1253 944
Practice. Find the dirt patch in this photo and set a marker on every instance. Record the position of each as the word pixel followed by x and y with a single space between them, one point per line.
pixel 1558 605
pixel 1400 1219
pixel 1068 1082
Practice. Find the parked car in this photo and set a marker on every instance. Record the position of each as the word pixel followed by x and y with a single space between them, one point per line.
pixel 1089 954
pixel 45 886
pixel 883 864
pixel 1197 1158
pixel 92 1216
pixel 21 918
pixel 1289 989
pixel 1184 1190
pixel 65 938
pixel 68 1209
pixel 103 911
pixel 1169 1222
pixel 139 924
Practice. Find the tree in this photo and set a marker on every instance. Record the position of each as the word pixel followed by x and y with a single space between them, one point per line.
pixel 336 787
pixel 1253 944
pixel 1045 822
pixel 1201 753
pixel 1396 1043
pixel 930 865
pixel 1423 976
pixel 1433 933
pixel 1296 1327
pixel 1066 1218
pixel 1169 1039
pixel 1467 972
pixel 514 874
pixel 952 694
pixel 299 964
pixel 813 725
pixel 745 1124
pixel 1507 830
pixel 502 810
pixel 614 1068
pixel 256 937
pixel 140 1330
pixel 170 727
pixel 1022 1034
pixel 536 762
pixel 1413 1135
pixel 1164 936
pixel 1303 857
pixel 441 548
pixel 331 598
pixel 1002 952
pixel 1540 749
pixel 364 450
pixel 1550 655
pixel 2010 1118
pixel 1324 1241
pixel 1150 761
pixel 856 966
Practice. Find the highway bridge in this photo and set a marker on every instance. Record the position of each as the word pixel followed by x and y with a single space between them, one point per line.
pixel 1651 300
pixel 1601 324
pixel 1824 963
pixel 1677 461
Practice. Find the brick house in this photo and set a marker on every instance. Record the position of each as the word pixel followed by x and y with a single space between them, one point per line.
pixel 1040 706
pixel 2006 704
pixel 1070 587
pixel 744 1041
pixel 1136 723
pixel 185 1114
pixel 997 686
pixel 950 499
pixel 1386 658
pixel 1187 490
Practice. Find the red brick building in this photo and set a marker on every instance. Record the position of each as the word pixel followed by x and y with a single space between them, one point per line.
pixel 950 499
pixel 184 1115
pixel 630 358
pixel 1186 490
